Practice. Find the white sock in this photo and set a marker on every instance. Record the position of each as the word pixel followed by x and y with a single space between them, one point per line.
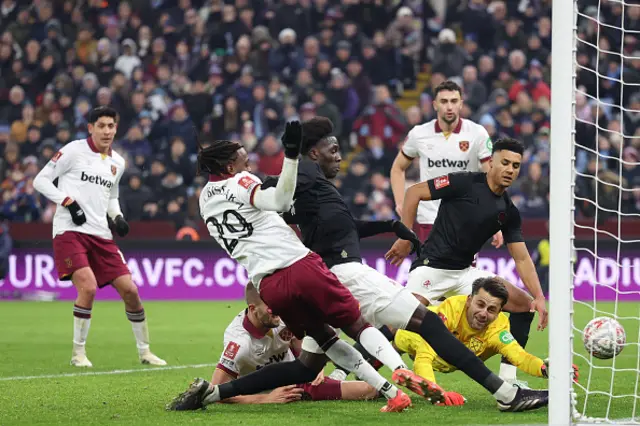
pixel 81 324
pixel 140 329
pixel 378 346
pixel 506 393
pixel 342 353
pixel 214 396
pixel 508 371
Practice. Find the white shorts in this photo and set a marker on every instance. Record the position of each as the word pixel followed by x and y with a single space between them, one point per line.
pixel 433 284
pixel 382 300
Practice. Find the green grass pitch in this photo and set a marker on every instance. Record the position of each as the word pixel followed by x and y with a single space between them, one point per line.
pixel 36 341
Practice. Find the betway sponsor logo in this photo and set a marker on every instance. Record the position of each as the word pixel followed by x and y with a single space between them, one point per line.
pixel 97 179
pixel 445 162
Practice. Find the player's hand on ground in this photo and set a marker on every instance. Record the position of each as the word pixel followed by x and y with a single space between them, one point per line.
pixel 539 305
pixel 122 227
pixel 397 253
pixel 405 233
pixel 498 240
pixel 451 399
pixel 319 379
pixel 77 214
pixel 292 139
pixel 285 394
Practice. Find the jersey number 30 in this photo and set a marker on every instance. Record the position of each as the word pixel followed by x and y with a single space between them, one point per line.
pixel 232 228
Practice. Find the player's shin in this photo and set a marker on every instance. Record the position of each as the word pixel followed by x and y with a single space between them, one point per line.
pixel 379 346
pixel 140 329
pixel 450 349
pixel 520 327
pixel 81 325
pixel 270 377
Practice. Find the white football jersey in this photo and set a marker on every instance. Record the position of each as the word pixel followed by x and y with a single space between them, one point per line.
pixel 88 177
pixel 247 349
pixel 465 149
pixel 259 240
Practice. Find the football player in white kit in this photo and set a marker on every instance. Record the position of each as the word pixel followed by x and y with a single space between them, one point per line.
pixel 444 145
pixel 291 280
pixel 256 338
pixel 88 173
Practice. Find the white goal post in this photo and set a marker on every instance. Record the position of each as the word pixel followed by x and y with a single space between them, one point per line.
pixel 609 390
pixel 561 209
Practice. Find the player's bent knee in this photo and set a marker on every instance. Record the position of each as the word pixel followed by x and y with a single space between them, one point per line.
pixel 355 329
pixel 85 282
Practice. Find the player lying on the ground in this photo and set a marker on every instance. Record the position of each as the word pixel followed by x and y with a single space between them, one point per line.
pixel 474 207
pixel 329 229
pixel 292 281
pixel 256 338
pixel 478 322
pixel 88 173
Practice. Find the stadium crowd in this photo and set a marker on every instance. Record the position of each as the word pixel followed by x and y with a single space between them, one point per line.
pixel 179 71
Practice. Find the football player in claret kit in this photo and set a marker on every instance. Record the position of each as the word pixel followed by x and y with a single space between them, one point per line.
pixel 256 338
pixel 329 229
pixel 291 280
pixel 474 207
pixel 88 173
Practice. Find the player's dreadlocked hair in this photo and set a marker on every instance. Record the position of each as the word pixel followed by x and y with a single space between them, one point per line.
pixel 508 144
pixel 314 130
pixel 215 158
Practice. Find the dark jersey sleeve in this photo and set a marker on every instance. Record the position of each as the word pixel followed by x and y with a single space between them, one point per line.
pixel 450 186
pixel 369 229
pixel 512 229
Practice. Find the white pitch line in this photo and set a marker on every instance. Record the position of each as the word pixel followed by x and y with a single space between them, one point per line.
pixel 106 373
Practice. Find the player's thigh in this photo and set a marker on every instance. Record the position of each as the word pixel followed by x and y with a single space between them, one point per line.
pixel 469 276
pixel 107 261
pixel 70 255
pixel 278 293
pixel 327 301
pixel 329 390
pixel 377 295
pixel 431 283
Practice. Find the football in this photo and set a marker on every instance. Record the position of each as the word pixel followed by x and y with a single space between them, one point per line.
pixel 604 337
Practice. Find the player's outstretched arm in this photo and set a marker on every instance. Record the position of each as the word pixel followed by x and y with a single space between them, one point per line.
pixel 529 276
pixel 280 198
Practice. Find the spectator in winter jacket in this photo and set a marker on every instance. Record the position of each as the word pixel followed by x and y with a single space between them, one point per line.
pixel 287 59
pixel 382 119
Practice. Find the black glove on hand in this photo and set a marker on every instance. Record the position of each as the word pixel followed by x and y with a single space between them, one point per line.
pixel 122 227
pixel 292 139
pixel 77 214
pixel 405 233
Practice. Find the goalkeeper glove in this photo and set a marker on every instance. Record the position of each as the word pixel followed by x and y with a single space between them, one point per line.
pixel 545 371
pixel 405 233
pixel 77 214
pixel 122 227
pixel 452 398
pixel 292 140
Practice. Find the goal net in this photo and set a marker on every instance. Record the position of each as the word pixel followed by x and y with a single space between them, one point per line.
pixel 595 206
